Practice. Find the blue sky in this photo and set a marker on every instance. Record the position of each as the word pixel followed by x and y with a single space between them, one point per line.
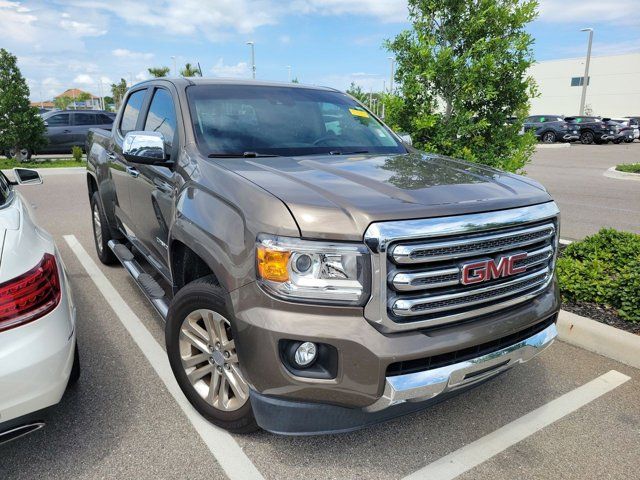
pixel 89 43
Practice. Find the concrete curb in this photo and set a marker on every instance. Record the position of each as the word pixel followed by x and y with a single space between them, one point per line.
pixel 599 338
pixel 553 145
pixel 613 173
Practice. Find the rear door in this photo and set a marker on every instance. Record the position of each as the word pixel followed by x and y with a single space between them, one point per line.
pixel 122 172
pixel 82 122
pixel 152 190
pixel 59 132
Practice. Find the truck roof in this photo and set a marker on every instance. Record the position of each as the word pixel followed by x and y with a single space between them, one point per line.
pixel 185 82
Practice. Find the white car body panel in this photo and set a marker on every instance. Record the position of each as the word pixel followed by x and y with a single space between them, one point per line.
pixel 35 358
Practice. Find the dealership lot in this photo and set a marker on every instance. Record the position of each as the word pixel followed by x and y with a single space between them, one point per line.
pixel 123 419
pixel 589 200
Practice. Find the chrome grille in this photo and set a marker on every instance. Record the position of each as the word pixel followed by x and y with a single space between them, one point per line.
pixel 418 265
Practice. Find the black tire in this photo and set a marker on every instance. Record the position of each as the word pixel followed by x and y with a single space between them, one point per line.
pixel 101 239
pixel 548 137
pixel 618 141
pixel 204 293
pixel 75 370
pixel 587 137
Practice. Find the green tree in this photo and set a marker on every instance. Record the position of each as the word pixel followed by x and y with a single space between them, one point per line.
pixel 190 71
pixel 358 93
pixel 159 71
pixel 21 128
pixel 295 80
pixel 63 102
pixel 461 70
pixel 83 97
pixel 118 90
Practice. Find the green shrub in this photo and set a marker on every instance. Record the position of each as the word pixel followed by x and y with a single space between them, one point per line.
pixel 76 153
pixel 629 167
pixel 605 269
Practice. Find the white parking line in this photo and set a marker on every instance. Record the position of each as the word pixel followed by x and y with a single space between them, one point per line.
pixel 473 454
pixel 221 444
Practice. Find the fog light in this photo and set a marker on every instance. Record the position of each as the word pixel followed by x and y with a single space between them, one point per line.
pixel 305 354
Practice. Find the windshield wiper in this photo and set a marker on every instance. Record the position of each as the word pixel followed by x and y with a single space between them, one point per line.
pixel 240 155
pixel 338 152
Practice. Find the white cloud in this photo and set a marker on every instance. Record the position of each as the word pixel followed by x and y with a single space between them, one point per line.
pixel 285 39
pixel 82 29
pixel 124 53
pixel 384 10
pixel 143 75
pixel 623 12
pixel 239 70
pixel 367 81
pixel 84 79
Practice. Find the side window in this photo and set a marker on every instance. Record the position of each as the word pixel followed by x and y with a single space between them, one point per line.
pixel 162 115
pixel 104 119
pixel 59 120
pixel 131 112
pixel 543 119
pixel 84 119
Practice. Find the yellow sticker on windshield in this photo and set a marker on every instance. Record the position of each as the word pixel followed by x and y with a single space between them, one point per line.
pixel 358 113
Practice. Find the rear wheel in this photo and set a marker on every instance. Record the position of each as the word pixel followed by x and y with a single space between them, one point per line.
pixel 548 137
pixel 203 356
pixel 587 137
pixel 101 233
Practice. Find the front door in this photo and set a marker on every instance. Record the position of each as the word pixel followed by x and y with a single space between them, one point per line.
pixel 82 122
pixel 153 190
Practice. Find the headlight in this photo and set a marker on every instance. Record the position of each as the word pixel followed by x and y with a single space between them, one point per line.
pixel 313 271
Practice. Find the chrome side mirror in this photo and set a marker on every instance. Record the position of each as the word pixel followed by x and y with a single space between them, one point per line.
pixel 27 176
pixel 144 147
pixel 406 138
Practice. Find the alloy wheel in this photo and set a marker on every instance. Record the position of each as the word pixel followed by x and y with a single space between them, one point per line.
pixel 548 137
pixel 210 361
pixel 586 138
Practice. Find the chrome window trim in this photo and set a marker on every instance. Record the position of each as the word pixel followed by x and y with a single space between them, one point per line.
pixel 380 235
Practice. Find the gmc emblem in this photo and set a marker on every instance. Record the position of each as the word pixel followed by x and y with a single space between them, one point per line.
pixel 488 269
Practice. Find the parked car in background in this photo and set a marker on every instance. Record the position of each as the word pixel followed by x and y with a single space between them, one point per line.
pixel 69 128
pixel 551 128
pixel 592 129
pixel 629 130
pixel 38 352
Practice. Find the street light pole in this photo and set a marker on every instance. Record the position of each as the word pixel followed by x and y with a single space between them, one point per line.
pixel 175 69
pixel 289 73
pixel 585 79
pixel 253 59
pixel 393 64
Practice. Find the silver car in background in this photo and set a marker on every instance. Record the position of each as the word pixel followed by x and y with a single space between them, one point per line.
pixel 38 352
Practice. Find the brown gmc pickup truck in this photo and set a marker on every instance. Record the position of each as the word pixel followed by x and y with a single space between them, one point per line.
pixel 317 274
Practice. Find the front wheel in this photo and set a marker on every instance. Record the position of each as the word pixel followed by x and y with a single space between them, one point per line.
pixel 548 137
pixel 203 357
pixel 587 138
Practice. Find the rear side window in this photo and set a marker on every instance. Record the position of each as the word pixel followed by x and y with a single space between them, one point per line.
pixel 104 119
pixel 131 112
pixel 162 116
pixel 59 120
pixel 84 119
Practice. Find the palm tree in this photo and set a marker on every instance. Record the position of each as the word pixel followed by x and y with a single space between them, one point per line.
pixel 159 71
pixel 190 71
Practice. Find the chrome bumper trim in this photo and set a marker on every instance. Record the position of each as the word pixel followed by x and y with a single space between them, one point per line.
pixel 420 386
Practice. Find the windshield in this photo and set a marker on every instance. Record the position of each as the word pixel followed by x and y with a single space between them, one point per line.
pixel 241 119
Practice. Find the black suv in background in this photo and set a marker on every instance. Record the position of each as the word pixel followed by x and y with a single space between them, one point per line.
pixel 551 128
pixel 69 128
pixel 593 129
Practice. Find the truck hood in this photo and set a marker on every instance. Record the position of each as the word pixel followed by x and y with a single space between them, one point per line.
pixel 338 197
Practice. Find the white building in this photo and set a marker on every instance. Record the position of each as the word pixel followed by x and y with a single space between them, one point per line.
pixel 613 89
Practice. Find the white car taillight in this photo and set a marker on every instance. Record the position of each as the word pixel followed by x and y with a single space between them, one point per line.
pixel 31 295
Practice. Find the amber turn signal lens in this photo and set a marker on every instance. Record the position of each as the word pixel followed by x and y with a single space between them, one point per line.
pixel 272 264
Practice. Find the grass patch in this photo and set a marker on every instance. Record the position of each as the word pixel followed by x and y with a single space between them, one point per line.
pixel 603 269
pixel 629 167
pixel 7 164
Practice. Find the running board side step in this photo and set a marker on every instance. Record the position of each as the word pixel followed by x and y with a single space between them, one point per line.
pixel 151 289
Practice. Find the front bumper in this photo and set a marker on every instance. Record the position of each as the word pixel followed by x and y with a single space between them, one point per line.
pixel 364 352
pixel 403 393
pixel 36 360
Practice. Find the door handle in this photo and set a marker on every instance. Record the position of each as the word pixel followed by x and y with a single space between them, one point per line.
pixel 133 172
pixel 66 131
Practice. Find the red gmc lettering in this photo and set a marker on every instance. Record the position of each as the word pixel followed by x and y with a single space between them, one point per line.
pixel 485 270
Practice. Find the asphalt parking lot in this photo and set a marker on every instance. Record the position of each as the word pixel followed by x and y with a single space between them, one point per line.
pixel 588 199
pixel 567 414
